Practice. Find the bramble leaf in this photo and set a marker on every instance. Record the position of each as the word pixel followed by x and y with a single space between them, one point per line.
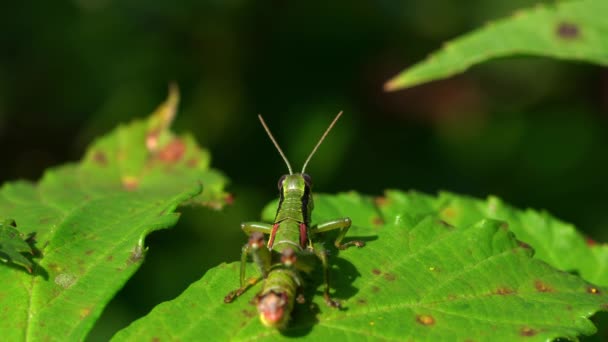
pixel 556 242
pixel 572 30
pixel 419 278
pixel 91 219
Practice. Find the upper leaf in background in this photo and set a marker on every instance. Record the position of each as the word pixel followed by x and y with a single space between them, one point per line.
pixel 574 30
pixel 91 219
pixel 419 278
pixel 13 244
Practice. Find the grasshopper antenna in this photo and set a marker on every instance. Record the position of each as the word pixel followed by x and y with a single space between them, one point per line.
pixel 275 144
pixel 331 125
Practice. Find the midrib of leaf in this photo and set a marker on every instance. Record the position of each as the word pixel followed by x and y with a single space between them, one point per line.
pixel 33 280
pixel 29 307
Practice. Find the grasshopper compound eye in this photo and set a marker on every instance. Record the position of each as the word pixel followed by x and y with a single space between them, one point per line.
pixel 280 183
pixel 307 179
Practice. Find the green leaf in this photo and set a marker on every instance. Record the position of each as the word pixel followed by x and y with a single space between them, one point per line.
pixel 419 278
pixel 91 219
pixel 13 244
pixel 554 241
pixel 573 30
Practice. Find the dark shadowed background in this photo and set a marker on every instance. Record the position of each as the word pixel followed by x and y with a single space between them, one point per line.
pixel 529 130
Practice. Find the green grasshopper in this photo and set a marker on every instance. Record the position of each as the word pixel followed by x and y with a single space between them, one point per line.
pixel 291 247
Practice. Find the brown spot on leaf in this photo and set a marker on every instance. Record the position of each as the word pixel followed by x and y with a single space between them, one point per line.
pixel 248 314
pixel 130 183
pixel 452 296
pixel 375 289
pixel 85 312
pixel 89 252
pixel 192 162
pixel 425 319
pixel 590 242
pixel 173 152
pixel 100 158
pixel 389 276
pixel 502 291
pixel 110 258
pixel 381 201
pixel 229 199
pixel 567 31
pixel 542 287
pixel 449 212
pixel 377 221
pixel 362 301
pixel 155 339
pixel 54 267
pixel 121 155
pixel 45 220
pixel 525 331
pixel 593 290
pixel 376 271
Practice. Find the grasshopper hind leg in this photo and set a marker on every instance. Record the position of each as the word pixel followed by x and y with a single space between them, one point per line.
pixel 232 295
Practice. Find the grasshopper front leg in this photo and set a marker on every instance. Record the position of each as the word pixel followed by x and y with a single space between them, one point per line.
pixel 343 224
pixel 256 246
pixel 250 227
pixel 256 231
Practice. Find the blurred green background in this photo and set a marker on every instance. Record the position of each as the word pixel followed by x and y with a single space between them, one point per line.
pixel 531 131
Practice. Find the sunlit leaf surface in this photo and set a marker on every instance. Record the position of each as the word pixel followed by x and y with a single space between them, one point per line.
pixel 419 278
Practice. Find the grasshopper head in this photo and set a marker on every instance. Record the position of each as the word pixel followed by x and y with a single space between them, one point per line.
pixel 274 309
pixel 297 181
